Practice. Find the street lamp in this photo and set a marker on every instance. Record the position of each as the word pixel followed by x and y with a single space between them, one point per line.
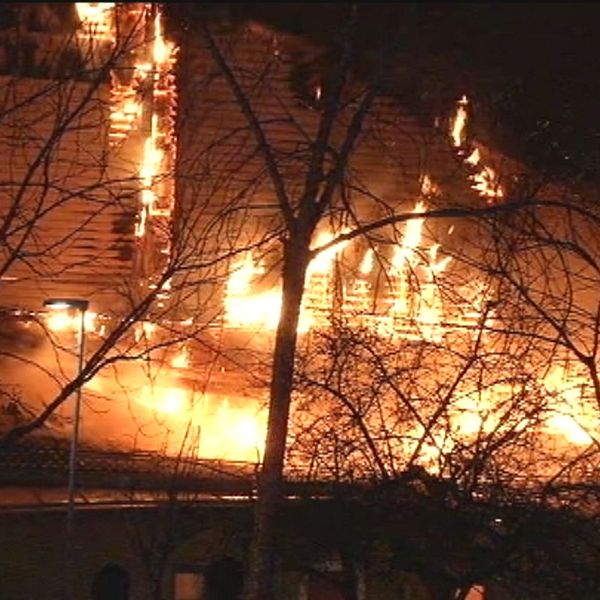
pixel 81 306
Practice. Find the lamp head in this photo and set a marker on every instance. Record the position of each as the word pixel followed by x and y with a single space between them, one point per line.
pixel 65 303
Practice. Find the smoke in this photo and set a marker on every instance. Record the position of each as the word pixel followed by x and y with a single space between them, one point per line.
pixel 143 404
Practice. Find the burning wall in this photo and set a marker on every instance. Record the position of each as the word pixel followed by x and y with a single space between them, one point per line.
pixel 223 182
pixel 63 212
pixel 88 158
pixel 436 285
pixel 412 285
pixel 87 187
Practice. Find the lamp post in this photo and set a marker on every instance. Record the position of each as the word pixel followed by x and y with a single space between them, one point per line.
pixel 81 306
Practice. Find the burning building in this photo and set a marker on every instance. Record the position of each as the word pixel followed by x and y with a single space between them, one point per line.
pixel 135 179
pixel 448 323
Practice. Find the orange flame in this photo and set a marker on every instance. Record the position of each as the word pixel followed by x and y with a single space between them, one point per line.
pixel 96 18
pixel 225 431
pixel 162 50
pixel 244 308
pixel 238 432
pixel 181 360
pixel 484 180
pixel 569 416
pixel 459 123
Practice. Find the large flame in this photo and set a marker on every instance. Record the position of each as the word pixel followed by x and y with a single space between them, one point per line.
pixel 159 411
pixel 224 429
pixel 243 308
pixel 416 301
pixel 569 416
pixel 414 309
pixel 162 49
pixel 133 108
pixel 417 312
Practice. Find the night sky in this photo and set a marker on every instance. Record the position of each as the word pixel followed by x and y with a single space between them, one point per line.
pixel 531 69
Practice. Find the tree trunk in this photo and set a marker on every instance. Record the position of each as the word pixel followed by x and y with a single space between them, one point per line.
pixel 260 583
pixel 349 577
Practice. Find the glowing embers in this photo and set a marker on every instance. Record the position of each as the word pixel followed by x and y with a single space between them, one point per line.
pixel 484 179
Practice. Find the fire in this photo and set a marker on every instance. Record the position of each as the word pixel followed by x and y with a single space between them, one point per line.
pixel 569 415
pixel 417 302
pixel 181 360
pixel 162 50
pixel 231 431
pixel 126 108
pixel 244 308
pixel 151 399
pixel 144 98
pixel 458 124
pixel 149 170
pixel 476 592
pixel 368 262
pixel 225 430
pixel 144 330
pixel 411 239
pixel 428 187
pixel 319 286
pixel 159 154
pixel 97 18
pixel 322 262
pixel 484 179
pixel 414 308
pixel 168 400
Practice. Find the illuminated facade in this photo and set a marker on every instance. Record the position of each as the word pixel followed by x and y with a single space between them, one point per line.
pixel 90 157
pixel 143 174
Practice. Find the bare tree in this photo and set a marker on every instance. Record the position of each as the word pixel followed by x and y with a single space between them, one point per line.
pixel 280 142
pixel 317 182
pixel 86 206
